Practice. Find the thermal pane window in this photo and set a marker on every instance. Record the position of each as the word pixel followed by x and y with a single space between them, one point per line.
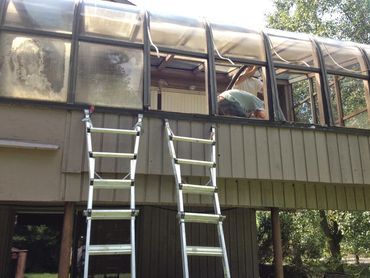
pixel 34 67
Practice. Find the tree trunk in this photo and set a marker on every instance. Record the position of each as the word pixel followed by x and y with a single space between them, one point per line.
pixel 334 237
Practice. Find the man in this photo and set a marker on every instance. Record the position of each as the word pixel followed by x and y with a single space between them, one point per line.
pixel 244 100
pixel 241 104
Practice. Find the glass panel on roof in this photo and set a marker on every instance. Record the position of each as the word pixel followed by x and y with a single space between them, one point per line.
pixel 291 51
pixel 343 57
pixel 34 67
pixel 237 42
pixel 109 76
pixel 114 20
pixel 178 33
pixel 44 15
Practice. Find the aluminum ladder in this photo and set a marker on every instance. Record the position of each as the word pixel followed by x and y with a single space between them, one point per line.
pixel 96 182
pixel 209 189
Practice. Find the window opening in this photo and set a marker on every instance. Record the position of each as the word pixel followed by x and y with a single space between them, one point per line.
pixel 178 84
pixel 348 101
pixel 241 90
pixel 298 95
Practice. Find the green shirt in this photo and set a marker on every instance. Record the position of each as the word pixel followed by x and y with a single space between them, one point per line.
pixel 247 101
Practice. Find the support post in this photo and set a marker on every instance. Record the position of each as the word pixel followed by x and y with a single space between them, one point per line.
pixel 66 244
pixel 21 263
pixel 276 238
pixel 7 220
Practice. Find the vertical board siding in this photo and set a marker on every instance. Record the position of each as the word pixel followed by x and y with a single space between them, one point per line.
pixel 268 153
pixel 7 220
pixel 299 155
pixel 333 152
pixel 345 158
pixel 322 156
pixel 159 251
pixel 311 156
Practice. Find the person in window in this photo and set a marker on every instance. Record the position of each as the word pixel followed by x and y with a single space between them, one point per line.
pixel 242 100
pixel 248 81
pixel 241 104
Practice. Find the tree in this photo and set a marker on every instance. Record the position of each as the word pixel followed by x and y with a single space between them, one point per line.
pixel 338 19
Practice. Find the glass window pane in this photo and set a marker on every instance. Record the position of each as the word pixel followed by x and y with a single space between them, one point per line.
pixel 114 20
pixel 41 14
pixel 34 67
pixel 294 51
pixel 109 76
pixel 239 43
pixel 178 84
pixel 178 33
pixel 343 57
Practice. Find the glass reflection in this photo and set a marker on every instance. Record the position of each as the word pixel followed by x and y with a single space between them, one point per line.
pixel 292 51
pixel 178 33
pixel 41 14
pixel 343 57
pixel 34 67
pixel 238 42
pixel 109 76
pixel 112 20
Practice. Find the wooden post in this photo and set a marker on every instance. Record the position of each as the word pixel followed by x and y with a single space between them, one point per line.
pixel 21 263
pixel 66 244
pixel 276 238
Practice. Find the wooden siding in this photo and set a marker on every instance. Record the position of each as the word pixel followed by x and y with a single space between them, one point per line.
pixel 7 220
pixel 257 165
pixel 159 251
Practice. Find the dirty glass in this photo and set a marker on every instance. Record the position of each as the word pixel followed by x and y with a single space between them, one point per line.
pixel 113 20
pixel 34 67
pixel 109 76
pixel 344 57
pixel 292 51
pixel 44 15
pixel 178 32
pixel 237 42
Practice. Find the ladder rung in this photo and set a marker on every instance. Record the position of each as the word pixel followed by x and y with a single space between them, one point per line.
pixel 201 217
pixel 112 184
pixel 197 189
pixel 192 140
pixel 114 155
pixel 195 162
pixel 204 251
pixel 112 131
pixel 120 214
pixel 112 249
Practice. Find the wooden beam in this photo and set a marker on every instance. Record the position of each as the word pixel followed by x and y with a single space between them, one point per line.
pixel 276 238
pixel 66 244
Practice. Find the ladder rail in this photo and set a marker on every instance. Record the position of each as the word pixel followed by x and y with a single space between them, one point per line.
pixel 198 189
pixel 129 249
pixel 180 201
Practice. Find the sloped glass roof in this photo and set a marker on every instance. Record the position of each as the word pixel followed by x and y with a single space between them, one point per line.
pixel 46 15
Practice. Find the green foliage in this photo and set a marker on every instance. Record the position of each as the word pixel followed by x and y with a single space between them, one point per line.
pixel 340 19
pixel 302 238
pixel 42 243
pixel 356 231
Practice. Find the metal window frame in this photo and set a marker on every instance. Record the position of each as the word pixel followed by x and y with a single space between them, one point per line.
pixel 272 90
pixel 324 95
